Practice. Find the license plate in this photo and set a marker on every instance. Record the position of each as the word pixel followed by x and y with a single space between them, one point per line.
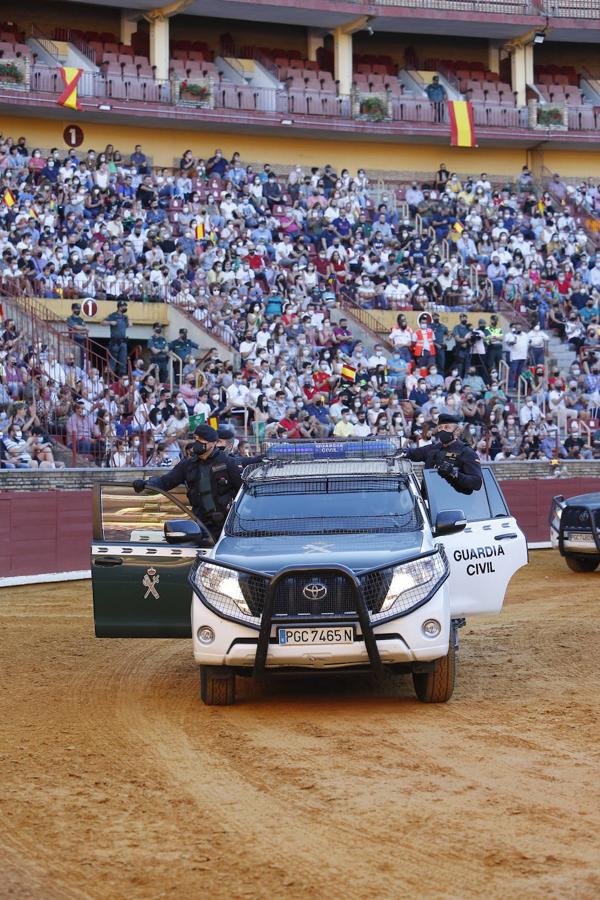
pixel 293 637
pixel 578 537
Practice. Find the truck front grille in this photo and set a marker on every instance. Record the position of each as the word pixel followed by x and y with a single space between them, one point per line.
pixel 315 594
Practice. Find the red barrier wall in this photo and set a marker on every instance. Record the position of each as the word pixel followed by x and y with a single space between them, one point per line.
pixel 51 531
pixel 529 501
pixel 44 531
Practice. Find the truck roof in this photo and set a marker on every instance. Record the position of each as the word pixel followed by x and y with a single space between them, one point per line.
pixel 279 469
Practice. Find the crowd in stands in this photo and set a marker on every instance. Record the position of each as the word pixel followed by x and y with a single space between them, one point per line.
pixel 274 267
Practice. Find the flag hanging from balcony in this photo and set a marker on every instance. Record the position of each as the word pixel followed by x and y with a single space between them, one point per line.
pixel 70 77
pixel 462 131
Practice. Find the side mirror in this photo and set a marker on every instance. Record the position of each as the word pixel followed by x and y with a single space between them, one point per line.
pixel 450 521
pixel 184 531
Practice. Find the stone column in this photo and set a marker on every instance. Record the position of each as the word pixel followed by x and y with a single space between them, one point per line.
pixel 517 68
pixel 159 47
pixel 342 48
pixel 314 42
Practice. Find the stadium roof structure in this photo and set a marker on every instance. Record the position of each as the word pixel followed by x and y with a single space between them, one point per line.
pixel 500 19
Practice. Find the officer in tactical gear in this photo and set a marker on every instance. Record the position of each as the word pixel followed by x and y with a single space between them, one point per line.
pixel 454 460
pixel 211 477
pixel 159 352
pixel 117 344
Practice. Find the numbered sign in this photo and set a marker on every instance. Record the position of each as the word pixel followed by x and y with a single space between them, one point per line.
pixel 89 308
pixel 73 136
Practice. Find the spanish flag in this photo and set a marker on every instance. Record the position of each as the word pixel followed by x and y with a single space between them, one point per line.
pixel 70 77
pixel 462 130
pixel 8 198
pixel 200 232
pixel 348 372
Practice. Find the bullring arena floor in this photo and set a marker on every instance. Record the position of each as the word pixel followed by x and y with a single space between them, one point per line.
pixel 117 782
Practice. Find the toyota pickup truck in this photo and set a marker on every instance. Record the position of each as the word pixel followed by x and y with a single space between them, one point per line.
pixel 332 557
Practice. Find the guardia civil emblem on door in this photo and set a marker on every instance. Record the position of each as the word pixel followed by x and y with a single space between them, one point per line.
pixel 150 580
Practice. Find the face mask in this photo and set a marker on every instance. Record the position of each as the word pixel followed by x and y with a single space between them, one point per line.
pixel 18 435
pixel 445 437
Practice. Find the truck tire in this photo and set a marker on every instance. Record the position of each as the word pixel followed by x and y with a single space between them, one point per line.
pixel 582 563
pixel 217 685
pixel 437 686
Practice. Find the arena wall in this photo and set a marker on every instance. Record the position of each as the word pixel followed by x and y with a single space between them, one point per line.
pixel 46 517
pixel 165 144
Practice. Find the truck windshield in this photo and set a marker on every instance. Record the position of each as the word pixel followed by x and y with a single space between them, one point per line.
pixel 325 506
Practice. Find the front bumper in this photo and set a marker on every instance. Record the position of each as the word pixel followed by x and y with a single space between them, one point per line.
pixel 399 640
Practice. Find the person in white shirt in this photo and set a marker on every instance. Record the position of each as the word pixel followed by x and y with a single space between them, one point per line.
pixel 517 343
pixel 377 358
pixel 530 412
pixel 538 341
pixel 395 292
pixel 237 393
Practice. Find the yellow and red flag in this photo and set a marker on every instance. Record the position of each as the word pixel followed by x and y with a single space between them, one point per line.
pixel 213 422
pixel 200 232
pixel 462 130
pixel 348 372
pixel 8 198
pixel 70 77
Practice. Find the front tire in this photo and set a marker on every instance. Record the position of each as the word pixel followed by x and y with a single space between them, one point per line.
pixel 217 685
pixel 437 686
pixel 582 563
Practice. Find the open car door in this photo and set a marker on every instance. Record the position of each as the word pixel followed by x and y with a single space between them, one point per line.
pixel 139 579
pixel 486 554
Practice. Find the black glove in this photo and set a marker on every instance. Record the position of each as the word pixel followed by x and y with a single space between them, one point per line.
pixel 139 485
pixel 447 471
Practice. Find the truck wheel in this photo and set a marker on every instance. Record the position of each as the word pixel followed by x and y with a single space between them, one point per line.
pixel 437 686
pixel 582 563
pixel 217 685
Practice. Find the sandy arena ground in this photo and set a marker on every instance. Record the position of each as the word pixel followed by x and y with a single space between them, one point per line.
pixel 118 783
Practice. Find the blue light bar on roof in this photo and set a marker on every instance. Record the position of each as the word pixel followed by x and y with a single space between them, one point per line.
pixel 303 450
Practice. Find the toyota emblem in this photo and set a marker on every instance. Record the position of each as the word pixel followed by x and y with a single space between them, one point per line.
pixel 315 591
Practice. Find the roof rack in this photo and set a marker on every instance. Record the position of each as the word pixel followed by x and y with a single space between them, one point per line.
pixel 310 463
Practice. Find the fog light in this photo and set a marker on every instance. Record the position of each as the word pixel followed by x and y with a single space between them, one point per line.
pixel 431 628
pixel 205 634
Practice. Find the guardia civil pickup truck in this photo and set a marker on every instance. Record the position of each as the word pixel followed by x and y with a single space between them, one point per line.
pixel 333 556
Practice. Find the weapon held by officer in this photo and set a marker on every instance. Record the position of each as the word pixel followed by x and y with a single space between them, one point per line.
pixel 454 460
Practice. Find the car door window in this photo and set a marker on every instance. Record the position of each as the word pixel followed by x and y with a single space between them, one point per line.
pixel 443 496
pixel 498 507
pixel 138 518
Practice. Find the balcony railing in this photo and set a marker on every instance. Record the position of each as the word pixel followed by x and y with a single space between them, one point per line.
pixel 499 7
pixel 288 107
pixel 573 9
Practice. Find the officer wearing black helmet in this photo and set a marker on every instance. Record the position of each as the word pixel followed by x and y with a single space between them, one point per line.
pixel 211 477
pixel 454 460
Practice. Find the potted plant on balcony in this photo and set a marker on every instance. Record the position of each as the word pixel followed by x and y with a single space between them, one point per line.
pixel 196 93
pixel 548 116
pixel 10 72
pixel 372 107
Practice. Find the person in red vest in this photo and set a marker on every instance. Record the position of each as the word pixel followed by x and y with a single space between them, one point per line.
pixel 423 345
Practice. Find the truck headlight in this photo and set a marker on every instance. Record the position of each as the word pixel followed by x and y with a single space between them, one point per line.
pixel 222 589
pixel 412 583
